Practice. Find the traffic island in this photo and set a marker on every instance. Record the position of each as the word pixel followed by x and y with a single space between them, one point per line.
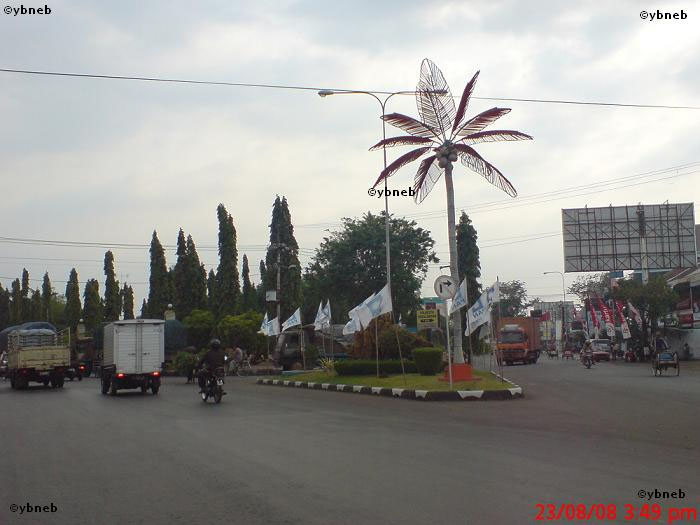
pixel 488 386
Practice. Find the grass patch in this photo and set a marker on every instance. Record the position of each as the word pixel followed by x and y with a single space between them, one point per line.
pixel 413 381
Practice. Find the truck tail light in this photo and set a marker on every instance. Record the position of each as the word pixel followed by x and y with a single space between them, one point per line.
pixel 156 374
pixel 82 367
pixel 120 375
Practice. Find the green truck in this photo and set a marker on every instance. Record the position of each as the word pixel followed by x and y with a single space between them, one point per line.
pixel 40 355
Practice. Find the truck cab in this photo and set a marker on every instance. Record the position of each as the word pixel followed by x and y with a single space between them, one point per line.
pixel 513 345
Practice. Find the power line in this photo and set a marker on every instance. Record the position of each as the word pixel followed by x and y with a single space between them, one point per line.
pixel 318 88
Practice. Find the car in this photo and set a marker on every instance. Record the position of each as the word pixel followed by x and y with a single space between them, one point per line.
pixel 602 349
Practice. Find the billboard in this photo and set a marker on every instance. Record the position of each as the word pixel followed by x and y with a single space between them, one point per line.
pixel 612 238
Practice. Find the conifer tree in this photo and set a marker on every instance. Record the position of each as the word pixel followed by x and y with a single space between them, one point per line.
pixel 73 306
pixel 182 302
pixel 46 295
pixel 212 299
pixel 36 313
pixel 93 310
pixel 112 301
pixel 198 277
pixel 4 308
pixel 144 310
pixel 16 304
pixel 159 281
pixel 227 283
pixel 248 293
pixel 26 303
pixel 469 266
pixel 127 294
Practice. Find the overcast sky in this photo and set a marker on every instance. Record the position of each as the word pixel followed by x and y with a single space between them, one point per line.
pixel 111 160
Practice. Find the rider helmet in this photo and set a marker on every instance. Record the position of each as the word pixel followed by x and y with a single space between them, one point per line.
pixel 214 344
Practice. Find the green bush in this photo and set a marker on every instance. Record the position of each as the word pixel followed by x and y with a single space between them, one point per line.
pixel 200 326
pixel 389 348
pixel 242 331
pixel 367 367
pixel 428 360
pixel 183 361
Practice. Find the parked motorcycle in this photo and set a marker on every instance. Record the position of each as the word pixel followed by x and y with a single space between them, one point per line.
pixel 214 386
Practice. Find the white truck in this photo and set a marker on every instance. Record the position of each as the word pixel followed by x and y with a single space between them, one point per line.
pixel 134 352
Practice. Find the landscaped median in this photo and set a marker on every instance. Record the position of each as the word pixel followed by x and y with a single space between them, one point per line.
pixel 416 386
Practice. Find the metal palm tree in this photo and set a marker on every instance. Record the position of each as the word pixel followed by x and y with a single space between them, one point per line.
pixel 445 135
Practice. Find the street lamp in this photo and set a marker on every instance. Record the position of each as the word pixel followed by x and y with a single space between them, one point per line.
pixel 382 103
pixel 563 304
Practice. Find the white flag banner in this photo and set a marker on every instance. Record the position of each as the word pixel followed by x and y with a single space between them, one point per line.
pixel 361 313
pixel 294 320
pixel 327 312
pixel 460 298
pixel 380 303
pixel 273 327
pixel 352 326
pixel 263 327
pixel 635 314
pixel 478 314
pixel 320 319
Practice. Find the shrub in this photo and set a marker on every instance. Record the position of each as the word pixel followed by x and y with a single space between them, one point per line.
pixel 242 330
pixel 183 361
pixel 199 325
pixel 387 342
pixel 367 367
pixel 327 364
pixel 428 360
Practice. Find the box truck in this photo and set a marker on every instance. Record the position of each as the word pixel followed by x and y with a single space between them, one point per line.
pixel 36 352
pixel 518 340
pixel 133 355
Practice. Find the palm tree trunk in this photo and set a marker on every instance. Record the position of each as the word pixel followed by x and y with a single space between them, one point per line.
pixel 458 357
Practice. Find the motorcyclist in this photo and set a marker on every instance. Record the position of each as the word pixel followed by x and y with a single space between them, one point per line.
pixel 587 351
pixel 213 359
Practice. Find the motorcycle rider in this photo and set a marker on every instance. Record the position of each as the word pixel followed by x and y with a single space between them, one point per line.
pixel 213 359
pixel 587 352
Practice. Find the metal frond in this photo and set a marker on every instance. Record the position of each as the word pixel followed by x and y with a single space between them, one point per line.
pixel 433 98
pixel 410 125
pixel 464 101
pixel 400 162
pixel 494 136
pixel 479 122
pixel 426 177
pixel 406 140
pixel 472 160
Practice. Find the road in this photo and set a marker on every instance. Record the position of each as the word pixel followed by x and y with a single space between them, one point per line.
pixel 283 455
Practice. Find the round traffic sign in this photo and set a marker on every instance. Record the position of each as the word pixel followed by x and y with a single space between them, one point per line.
pixel 445 287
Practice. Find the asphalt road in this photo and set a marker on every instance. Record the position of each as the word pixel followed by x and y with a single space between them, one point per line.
pixel 284 455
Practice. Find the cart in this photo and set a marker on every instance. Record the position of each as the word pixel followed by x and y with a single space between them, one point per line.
pixel 663 361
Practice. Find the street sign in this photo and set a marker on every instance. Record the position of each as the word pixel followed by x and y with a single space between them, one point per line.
pixel 445 287
pixel 271 296
pixel 426 319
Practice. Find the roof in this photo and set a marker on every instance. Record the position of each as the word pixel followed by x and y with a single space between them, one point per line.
pixel 140 321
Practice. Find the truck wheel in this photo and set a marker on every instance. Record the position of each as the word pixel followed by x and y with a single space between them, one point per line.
pixel 45 381
pixel 112 388
pixel 59 382
pixel 144 388
pixel 80 377
pixel 105 386
pixel 53 382
pixel 154 388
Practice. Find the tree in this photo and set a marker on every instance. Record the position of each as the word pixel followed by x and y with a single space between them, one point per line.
pixel 513 298
pixel 260 291
pixel 469 267
pixel 200 326
pixel 248 293
pixel 350 265
pixel 26 305
pixel 16 304
pixel 189 278
pixel 127 294
pixel 159 285
pixel 113 300
pixel 284 246
pixel 73 307
pixel 93 311
pixel 198 277
pixel 653 300
pixel 592 284
pixel 144 310
pixel 5 317
pixel 36 309
pixel 242 330
pixel 446 136
pixel 46 295
pixel 227 283
pixel 212 301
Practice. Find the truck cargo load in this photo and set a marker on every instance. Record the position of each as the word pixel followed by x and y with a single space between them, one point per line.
pixel 41 355
pixel 134 351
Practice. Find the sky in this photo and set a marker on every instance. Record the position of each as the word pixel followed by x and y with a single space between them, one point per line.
pixel 109 161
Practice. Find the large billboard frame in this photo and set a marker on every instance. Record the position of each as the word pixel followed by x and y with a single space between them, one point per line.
pixel 612 238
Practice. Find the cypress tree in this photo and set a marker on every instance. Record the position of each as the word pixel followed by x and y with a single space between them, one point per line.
pixel 26 303
pixel 282 240
pixel 4 308
pixel 16 305
pixel 128 301
pixel 469 266
pixel 248 293
pixel 260 291
pixel 182 301
pixel 144 310
pixel 73 307
pixel 159 281
pixel 93 311
pixel 227 282
pixel 212 299
pixel 36 313
pixel 112 302
pixel 198 278
pixel 46 295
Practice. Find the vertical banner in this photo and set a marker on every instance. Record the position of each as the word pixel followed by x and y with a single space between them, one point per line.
pixel 626 334
pixel 607 317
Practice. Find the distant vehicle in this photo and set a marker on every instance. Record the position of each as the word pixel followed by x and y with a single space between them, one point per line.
pixel 602 349
pixel 288 347
pixel 134 351
pixel 36 352
pixel 518 340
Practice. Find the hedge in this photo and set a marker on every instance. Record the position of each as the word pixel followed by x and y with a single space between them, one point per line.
pixel 368 367
pixel 428 360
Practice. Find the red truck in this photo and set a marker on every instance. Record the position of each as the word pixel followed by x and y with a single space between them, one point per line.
pixel 518 340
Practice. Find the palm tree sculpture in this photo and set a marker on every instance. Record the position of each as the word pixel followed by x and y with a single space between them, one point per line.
pixel 450 137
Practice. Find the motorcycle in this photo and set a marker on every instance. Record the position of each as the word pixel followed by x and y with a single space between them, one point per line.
pixel 214 386
pixel 587 360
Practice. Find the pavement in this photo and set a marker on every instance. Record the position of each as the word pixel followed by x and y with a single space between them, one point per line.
pixel 274 455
